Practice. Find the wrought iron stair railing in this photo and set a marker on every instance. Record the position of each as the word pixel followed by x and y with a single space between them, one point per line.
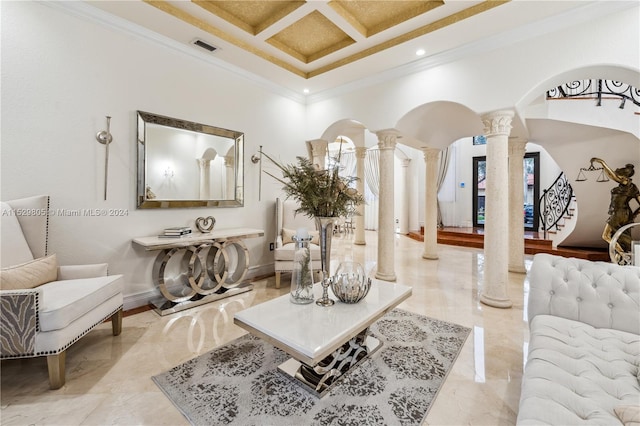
pixel 598 89
pixel 555 202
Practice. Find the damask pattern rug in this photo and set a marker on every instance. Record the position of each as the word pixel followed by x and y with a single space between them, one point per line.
pixel 239 383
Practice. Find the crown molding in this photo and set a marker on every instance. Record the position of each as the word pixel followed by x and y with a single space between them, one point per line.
pixel 584 13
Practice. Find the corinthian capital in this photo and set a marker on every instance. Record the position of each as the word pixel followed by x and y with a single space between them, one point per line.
pixel 318 147
pixel 497 123
pixel 517 147
pixel 430 154
pixel 203 162
pixel 387 139
pixel 361 152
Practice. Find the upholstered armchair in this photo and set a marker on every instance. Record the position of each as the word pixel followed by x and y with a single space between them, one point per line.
pixel 45 308
pixel 287 223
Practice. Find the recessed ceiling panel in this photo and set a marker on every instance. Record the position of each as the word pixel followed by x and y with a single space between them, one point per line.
pixel 251 16
pixel 311 38
pixel 372 17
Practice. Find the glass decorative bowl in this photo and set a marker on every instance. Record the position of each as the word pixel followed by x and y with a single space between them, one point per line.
pixel 349 284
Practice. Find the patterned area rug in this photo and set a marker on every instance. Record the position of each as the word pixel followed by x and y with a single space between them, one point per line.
pixel 239 383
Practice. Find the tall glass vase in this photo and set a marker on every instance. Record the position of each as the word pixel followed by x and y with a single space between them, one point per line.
pixel 302 276
pixel 325 226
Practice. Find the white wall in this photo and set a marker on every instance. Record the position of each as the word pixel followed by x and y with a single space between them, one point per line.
pixel 61 75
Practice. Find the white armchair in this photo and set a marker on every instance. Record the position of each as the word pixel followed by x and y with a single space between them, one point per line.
pixel 287 223
pixel 46 308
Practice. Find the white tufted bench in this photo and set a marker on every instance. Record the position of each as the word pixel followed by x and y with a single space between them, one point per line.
pixel 584 348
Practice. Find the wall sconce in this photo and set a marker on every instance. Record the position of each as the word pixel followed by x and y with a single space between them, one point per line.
pixel 255 159
pixel 105 138
pixel 168 173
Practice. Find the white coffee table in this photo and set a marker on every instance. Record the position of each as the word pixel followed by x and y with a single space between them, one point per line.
pixel 325 342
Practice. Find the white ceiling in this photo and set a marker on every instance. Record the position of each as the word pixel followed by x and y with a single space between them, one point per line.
pixel 446 30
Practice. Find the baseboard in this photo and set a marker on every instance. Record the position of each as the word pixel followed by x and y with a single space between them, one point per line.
pixel 132 301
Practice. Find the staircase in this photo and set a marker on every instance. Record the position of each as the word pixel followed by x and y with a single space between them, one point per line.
pixel 474 237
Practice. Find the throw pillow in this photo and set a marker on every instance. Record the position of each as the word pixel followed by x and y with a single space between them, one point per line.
pixel 30 274
pixel 287 236
pixel 629 415
pixel 315 237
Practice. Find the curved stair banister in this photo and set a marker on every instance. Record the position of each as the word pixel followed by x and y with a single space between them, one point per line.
pixel 554 203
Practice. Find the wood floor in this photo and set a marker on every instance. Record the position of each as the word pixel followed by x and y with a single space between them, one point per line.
pixel 533 243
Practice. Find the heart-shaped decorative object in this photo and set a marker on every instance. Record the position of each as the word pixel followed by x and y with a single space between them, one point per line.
pixel 205 224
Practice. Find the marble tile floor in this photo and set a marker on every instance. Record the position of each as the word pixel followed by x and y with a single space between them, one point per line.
pixel 108 380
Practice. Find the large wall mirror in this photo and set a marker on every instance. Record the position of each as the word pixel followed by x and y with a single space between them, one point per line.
pixel 186 164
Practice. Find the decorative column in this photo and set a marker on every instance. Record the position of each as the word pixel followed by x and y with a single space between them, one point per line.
pixel 403 215
pixel 205 178
pixel 431 156
pixel 497 126
pixel 386 234
pixel 516 205
pixel 361 154
pixel 317 150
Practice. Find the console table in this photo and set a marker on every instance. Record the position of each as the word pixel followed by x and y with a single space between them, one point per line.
pixel 207 267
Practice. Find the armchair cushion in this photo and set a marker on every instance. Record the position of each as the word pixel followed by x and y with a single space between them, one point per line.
pixel 29 274
pixel 287 251
pixel 74 272
pixel 65 301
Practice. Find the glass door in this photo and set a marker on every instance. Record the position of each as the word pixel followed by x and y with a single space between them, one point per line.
pixel 479 185
pixel 531 190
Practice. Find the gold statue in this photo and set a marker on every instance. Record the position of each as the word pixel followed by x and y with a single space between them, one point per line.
pixel 620 212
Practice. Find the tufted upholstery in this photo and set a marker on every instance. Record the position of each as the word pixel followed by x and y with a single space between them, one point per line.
pixel 601 294
pixel 584 348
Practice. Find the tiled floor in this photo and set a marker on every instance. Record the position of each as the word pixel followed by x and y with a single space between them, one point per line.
pixel 109 379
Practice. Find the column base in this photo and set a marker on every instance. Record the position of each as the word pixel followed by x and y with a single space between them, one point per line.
pixel 386 277
pixel 519 269
pixel 360 243
pixel 430 256
pixel 496 303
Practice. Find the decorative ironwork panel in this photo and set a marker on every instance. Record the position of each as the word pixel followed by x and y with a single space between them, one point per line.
pixel 596 88
pixel 555 202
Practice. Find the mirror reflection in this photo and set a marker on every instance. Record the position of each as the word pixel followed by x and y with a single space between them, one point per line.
pixel 186 164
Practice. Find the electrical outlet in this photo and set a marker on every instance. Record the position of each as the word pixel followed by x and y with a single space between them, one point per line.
pixel 271 247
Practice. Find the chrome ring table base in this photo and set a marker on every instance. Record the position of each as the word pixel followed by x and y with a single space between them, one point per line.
pixel 319 379
pixel 208 271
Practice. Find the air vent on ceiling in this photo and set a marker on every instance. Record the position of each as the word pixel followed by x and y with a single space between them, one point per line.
pixel 204 45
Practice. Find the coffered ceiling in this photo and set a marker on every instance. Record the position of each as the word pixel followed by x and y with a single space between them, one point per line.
pixel 321 44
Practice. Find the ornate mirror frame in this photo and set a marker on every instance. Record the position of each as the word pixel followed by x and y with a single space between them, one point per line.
pixel 181 138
